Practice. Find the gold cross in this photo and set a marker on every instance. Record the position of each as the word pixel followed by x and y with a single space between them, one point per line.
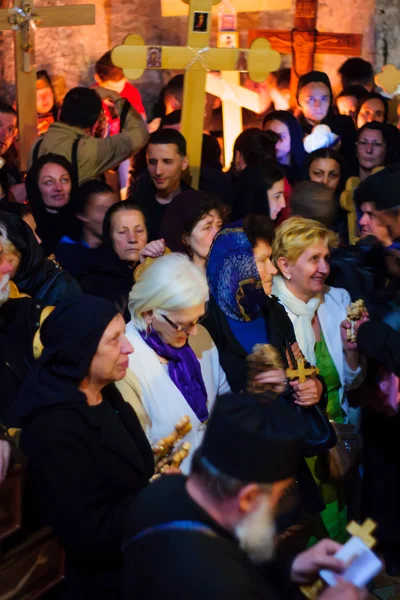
pixel 23 18
pixel 196 58
pixel 363 531
pixel 301 372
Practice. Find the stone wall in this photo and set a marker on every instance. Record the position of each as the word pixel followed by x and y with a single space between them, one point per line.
pixel 387 32
pixel 69 53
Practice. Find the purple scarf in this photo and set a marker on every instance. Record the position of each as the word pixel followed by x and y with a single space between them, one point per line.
pixel 184 371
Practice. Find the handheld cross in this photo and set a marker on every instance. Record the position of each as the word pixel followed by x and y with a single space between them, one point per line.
pixel 23 18
pixel 301 372
pixel 363 531
pixel 197 58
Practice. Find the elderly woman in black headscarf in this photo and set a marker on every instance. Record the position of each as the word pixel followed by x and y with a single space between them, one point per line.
pixel 33 273
pixel 87 454
pixel 289 149
pixel 315 98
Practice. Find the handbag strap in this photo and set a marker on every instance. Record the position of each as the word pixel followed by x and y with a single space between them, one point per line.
pixel 172 526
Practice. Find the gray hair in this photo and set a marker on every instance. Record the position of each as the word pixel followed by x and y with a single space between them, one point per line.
pixel 3 234
pixel 171 282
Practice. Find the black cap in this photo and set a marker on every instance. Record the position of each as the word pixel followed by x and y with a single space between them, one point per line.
pixel 382 188
pixel 254 440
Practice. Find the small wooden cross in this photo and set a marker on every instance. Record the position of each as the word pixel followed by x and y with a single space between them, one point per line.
pixel 301 372
pixel 23 18
pixel 363 531
pixel 197 59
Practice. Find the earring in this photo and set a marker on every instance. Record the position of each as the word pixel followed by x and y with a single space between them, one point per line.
pixel 148 330
pixel 288 277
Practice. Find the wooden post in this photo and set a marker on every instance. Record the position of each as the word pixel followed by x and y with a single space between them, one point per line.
pixel 25 68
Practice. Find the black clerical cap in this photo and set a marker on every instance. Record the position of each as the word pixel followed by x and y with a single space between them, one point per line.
pixel 382 188
pixel 254 440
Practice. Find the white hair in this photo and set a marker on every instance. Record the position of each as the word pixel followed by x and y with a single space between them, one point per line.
pixel 3 234
pixel 171 282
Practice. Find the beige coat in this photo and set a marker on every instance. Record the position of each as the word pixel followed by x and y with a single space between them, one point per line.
pixel 96 155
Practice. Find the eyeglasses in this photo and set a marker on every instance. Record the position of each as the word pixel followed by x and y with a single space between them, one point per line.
pixel 374 145
pixel 179 328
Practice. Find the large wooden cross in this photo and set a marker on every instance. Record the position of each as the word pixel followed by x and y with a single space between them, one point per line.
pixel 304 41
pixel 197 59
pixel 23 18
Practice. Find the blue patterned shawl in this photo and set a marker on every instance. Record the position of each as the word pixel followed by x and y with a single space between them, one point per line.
pixel 233 275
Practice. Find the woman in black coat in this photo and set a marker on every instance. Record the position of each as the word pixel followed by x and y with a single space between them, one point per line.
pixel 34 274
pixel 87 453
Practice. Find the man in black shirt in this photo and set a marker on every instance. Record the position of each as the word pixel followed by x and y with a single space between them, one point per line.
pixel 153 191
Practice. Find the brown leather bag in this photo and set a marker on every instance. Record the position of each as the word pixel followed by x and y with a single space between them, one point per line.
pixel 337 465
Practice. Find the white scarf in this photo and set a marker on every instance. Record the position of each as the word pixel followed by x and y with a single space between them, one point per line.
pixel 304 314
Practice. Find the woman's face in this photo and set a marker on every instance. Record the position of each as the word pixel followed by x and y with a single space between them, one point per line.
pixel 266 269
pixel 371 110
pixel 314 100
pixel 371 149
pixel 283 146
pixel 276 199
pixel 326 171
pixel 55 186
pixel 128 234
pixel 111 361
pixel 44 100
pixel 307 275
pixel 175 326
pixel 347 105
pixel 12 255
pixel 203 234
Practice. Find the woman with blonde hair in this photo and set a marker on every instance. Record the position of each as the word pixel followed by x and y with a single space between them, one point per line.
pixel 175 360
pixel 301 253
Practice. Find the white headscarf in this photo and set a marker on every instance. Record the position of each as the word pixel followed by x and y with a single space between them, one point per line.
pixel 302 324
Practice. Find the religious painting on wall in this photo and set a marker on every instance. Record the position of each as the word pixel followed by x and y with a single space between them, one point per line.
pixel 200 22
pixel 227 21
pixel 228 40
pixel 241 64
pixel 154 57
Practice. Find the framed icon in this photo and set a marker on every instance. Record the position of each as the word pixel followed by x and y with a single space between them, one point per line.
pixel 200 22
pixel 154 57
pixel 228 40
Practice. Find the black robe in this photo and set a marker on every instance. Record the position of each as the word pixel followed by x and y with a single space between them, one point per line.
pixel 190 564
pixel 85 465
pixel 19 321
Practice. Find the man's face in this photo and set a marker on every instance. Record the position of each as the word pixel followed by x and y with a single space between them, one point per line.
pixel 96 208
pixel 165 166
pixel 370 224
pixel 8 131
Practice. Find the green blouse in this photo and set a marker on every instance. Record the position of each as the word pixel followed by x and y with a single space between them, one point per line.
pixel 329 372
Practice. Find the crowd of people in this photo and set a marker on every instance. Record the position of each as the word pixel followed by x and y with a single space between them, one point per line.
pixel 130 301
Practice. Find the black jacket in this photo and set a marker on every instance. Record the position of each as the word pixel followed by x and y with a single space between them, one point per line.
pixel 19 321
pixel 381 343
pixel 190 564
pixel 85 465
pixel 232 355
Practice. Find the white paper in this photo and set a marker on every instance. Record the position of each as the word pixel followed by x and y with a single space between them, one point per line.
pixel 363 564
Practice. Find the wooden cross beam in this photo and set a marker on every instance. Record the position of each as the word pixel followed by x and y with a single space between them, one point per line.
pixel 23 18
pixel 363 531
pixel 304 41
pixel 197 58
pixel 301 372
pixel 175 8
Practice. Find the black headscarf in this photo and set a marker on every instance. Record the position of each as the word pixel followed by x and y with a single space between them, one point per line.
pixel 297 152
pixel 112 277
pixel 51 227
pixel 70 336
